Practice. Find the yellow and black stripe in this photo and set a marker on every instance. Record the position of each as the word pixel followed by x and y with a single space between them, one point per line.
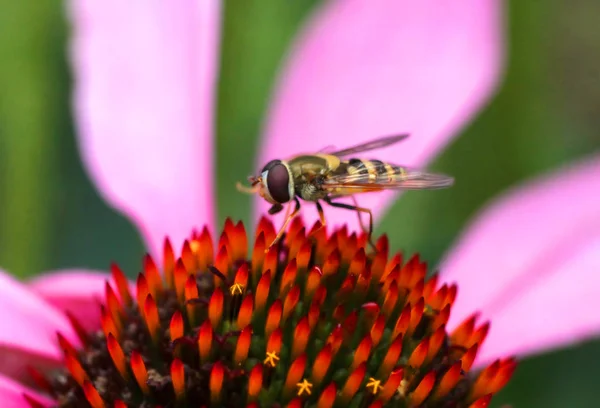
pixel 374 170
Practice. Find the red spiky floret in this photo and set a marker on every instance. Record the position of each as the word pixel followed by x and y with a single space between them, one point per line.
pixel 317 320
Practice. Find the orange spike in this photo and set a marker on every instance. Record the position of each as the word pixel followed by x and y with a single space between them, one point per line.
pixel 142 292
pixel 168 263
pixel 92 395
pixel 75 369
pixel 180 277
pixel 353 383
pixel 393 263
pixel 65 345
pixel 273 317
pixel 391 357
pixel 451 297
pixel 321 364
pixel 119 404
pixel 288 277
pixel 376 404
pixel 304 255
pixel 350 249
pixel 258 254
pixel 505 373
pixel 291 300
pixel 203 249
pixel 420 394
pixel 377 329
pixel 391 385
pixel 403 322
pixel 441 319
pixel 335 338
pixel 312 282
pixel 435 342
pixel 275 341
pixel 205 338
pixel 295 242
pixel 114 306
pixel 32 402
pixel 332 263
pixel 378 265
pixel 429 289
pixel 191 293
pixel 320 295
pixel 295 226
pixel 107 323
pixel 314 312
pixel 241 276
pixel 349 324
pixel 270 262
pixel 469 357
pixel 416 292
pixel 245 314
pixel 417 357
pixel 152 276
pixel 216 381
pixel 240 241
pixel 176 326
pixel 223 260
pixel 151 317
pixel 188 257
pixel 479 335
pixel 358 263
pixel 449 380
pixel 460 336
pixel 416 314
pixel 391 279
pixel 301 336
pixel 117 355
pixel 81 332
pixel 391 298
pixel 294 374
pixel 362 352
pixel 178 378
pixel 327 398
pixel 215 307
pixel 482 402
pixel 437 299
pixel 122 284
pixel 139 371
pixel 255 380
pixel 262 291
pixel 243 346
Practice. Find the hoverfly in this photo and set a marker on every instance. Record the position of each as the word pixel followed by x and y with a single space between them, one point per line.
pixel 325 177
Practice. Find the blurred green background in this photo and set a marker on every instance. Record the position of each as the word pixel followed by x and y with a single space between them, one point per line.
pixel 545 115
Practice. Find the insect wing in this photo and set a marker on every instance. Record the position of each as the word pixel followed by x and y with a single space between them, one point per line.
pixel 372 145
pixel 402 178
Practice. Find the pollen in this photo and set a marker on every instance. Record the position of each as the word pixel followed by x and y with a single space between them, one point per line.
pixel 320 319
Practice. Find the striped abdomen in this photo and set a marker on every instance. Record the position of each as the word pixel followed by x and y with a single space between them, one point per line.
pixel 375 171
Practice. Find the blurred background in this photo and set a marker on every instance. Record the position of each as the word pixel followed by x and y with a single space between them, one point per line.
pixel 544 115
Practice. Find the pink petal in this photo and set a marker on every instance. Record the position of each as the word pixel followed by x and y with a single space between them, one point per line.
pixel 28 327
pixel 78 292
pixel 530 263
pixel 11 395
pixel 145 73
pixel 362 70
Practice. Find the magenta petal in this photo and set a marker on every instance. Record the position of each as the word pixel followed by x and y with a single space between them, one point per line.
pixel 530 263
pixel 11 395
pixel 78 292
pixel 365 69
pixel 145 73
pixel 28 327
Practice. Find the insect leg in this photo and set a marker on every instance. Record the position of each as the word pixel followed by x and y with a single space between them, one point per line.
pixel 275 209
pixel 359 210
pixel 321 216
pixel 285 224
pixel 360 221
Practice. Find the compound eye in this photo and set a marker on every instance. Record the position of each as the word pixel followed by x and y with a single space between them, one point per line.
pixel 278 182
pixel 270 164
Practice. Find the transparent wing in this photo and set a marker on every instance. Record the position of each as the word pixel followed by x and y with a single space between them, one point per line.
pixel 372 145
pixel 401 178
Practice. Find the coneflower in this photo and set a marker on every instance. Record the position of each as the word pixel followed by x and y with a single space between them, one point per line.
pixel 317 320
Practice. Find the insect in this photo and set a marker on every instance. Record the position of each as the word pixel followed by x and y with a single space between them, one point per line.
pixel 326 177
